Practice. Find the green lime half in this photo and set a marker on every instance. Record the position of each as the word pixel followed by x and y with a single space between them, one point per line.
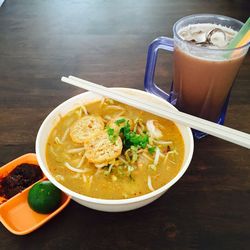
pixel 44 197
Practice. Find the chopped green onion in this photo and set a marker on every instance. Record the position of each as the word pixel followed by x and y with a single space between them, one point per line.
pixel 112 135
pixel 110 131
pixel 119 121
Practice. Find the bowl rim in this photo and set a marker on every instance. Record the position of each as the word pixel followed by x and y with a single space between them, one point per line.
pixel 100 201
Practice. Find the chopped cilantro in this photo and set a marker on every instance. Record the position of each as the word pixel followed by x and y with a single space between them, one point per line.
pixel 119 121
pixel 131 138
pixel 137 139
pixel 125 129
pixel 151 150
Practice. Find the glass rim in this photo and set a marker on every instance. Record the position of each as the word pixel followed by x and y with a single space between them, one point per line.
pixel 203 48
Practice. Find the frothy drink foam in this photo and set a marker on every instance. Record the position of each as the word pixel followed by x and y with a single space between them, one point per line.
pixel 207 35
pixel 203 75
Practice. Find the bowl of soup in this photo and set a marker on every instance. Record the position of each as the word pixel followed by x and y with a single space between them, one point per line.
pixel 110 156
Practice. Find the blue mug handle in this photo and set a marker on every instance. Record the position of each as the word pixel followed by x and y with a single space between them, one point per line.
pixel 164 43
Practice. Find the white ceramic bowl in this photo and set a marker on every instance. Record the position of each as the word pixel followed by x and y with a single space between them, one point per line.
pixel 103 204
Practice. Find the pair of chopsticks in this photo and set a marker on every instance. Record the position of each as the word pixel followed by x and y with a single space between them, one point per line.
pixel 223 132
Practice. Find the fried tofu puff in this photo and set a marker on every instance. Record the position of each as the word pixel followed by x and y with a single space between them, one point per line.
pixel 85 127
pixel 100 150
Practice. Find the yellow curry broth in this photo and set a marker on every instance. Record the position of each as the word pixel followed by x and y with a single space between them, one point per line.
pixel 116 184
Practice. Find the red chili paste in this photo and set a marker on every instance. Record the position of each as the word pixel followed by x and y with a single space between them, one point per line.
pixel 18 179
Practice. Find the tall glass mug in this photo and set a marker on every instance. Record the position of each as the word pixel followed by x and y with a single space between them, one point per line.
pixel 202 76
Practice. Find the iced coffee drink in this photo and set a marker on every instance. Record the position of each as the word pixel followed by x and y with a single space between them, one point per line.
pixel 203 69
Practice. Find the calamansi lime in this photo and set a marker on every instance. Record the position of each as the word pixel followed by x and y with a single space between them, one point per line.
pixel 44 197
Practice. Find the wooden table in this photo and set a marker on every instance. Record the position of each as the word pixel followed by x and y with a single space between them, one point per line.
pixel 106 42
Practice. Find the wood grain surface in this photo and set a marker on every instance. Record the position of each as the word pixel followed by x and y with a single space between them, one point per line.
pixel 106 42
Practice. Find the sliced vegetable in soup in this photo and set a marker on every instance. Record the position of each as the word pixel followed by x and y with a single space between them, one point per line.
pixel 110 150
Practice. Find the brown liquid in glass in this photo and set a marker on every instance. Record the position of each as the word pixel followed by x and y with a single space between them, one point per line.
pixel 202 85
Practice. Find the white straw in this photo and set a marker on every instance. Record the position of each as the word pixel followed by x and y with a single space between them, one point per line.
pixel 223 132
